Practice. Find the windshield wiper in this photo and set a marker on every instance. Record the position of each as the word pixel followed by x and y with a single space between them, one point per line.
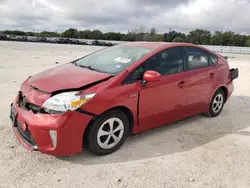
pixel 91 68
pixel 83 66
pixel 87 67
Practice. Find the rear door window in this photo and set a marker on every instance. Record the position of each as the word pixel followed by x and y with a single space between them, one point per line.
pixel 196 58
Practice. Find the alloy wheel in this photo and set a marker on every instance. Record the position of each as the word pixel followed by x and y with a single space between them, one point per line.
pixel 110 133
pixel 218 103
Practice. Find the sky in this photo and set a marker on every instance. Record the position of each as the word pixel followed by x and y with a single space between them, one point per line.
pixel 124 15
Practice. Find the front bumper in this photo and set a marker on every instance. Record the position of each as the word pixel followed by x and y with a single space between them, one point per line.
pixel 32 130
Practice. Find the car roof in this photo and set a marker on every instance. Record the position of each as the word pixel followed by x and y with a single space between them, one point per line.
pixel 152 45
pixel 157 45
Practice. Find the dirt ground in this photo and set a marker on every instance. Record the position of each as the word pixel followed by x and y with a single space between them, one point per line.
pixel 197 152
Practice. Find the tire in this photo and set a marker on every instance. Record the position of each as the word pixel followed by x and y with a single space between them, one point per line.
pixel 216 104
pixel 101 139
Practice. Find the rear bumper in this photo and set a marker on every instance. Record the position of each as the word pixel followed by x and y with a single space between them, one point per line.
pixel 230 89
pixel 32 130
pixel 234 73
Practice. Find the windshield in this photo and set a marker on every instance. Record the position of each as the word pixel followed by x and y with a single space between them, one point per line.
pixel 112 60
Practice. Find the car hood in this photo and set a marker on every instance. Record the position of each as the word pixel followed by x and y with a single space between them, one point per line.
pixel 67 76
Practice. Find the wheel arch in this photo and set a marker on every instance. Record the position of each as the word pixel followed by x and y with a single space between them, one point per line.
pixel 224 89
pixel 128 113
pixel 123 109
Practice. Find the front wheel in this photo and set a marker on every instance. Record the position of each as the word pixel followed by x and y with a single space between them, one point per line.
pixel 108 132
pixel 217 104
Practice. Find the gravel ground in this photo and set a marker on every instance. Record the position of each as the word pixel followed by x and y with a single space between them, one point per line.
pixel 197 152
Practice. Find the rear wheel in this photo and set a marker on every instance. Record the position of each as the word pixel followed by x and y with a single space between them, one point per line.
pixel 217 104
pixel 108 132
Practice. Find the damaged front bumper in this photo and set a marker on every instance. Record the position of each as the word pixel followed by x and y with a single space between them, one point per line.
pixel 33 130
pixel 21 131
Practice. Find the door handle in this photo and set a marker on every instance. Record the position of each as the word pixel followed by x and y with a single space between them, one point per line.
pixel 182 84
pixel 212 75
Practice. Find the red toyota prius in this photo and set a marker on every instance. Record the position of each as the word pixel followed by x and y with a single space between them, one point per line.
pixel 103 97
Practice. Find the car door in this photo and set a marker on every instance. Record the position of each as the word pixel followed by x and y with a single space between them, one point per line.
pixel 165 100
pixel 200 81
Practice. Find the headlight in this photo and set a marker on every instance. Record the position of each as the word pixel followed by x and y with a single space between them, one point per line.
pixel 64 102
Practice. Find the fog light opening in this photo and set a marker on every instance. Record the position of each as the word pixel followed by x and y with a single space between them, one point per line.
pixel 53 136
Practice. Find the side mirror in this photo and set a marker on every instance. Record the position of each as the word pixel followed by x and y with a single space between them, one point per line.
pixel 151 76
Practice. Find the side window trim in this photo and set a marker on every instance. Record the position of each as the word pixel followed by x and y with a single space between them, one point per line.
pixel 209 59
pixel 185 57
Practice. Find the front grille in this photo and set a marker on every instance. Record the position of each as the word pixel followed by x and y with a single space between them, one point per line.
pixel 22 102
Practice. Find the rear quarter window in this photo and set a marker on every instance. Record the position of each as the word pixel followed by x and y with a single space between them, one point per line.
pixel 213 59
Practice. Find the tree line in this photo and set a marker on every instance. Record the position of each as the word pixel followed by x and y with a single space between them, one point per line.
pixel 197 36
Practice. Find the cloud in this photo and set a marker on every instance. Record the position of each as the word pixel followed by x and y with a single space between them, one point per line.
pixel 123 15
